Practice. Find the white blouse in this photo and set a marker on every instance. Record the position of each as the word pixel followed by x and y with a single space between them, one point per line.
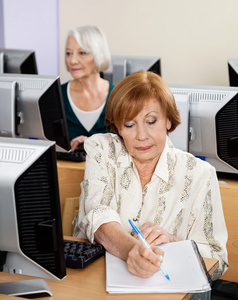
pixel 86 118
pixel 183 196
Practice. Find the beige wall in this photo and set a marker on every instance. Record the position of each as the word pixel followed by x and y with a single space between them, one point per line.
pixel 193 38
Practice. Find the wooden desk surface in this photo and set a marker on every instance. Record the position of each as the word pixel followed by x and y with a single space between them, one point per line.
pixel 70 175
pixel 71 165
pixel 90 283
pixel 229 196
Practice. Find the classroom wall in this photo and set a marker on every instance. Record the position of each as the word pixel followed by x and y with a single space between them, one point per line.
pixel 33 25
pixel 1 25
pixel 193 38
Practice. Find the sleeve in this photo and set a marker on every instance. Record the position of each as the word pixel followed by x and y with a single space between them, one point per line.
pixel 97 200
pixel 209 229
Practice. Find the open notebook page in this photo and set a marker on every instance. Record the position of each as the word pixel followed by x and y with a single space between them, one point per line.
pixel 181 262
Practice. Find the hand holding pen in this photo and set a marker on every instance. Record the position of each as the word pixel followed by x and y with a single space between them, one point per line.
pixel 141 237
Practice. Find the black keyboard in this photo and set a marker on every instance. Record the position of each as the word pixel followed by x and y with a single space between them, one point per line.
pixel 76 155
pixel 81 254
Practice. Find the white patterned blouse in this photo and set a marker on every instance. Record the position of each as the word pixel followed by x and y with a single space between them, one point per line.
pixel 183 196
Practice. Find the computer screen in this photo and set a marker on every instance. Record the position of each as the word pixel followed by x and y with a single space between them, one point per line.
pixel 121 66
pixel 213 122
pixel 31 106
pixel 18 61
pixel 233 71
pixel 30 216
pixel 180 136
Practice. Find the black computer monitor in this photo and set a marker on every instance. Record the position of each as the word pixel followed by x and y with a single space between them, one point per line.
pixel 18 61
pixel 31 106
pixel 123 65
pixel 213 124
pixel 233 71
pixel 30 217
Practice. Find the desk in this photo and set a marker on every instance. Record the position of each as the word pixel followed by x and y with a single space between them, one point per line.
pixel 229 196
pixel 89 283
pixel 71 174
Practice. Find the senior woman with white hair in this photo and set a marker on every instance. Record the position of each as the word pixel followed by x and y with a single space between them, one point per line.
pixel 136 173
pixel 85 96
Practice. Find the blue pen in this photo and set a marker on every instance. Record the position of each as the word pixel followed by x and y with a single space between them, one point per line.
pixel 141 237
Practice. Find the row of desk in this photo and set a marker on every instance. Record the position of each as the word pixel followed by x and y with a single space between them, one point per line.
pixel 90 283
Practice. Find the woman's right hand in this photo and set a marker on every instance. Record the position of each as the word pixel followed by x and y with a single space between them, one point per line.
pixel 77 143
pixel 141 261
pixel 144 262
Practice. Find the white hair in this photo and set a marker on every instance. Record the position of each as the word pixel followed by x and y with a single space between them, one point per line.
pixel 92 40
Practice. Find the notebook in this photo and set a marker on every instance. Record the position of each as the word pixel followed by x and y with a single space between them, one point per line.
pixel 183 263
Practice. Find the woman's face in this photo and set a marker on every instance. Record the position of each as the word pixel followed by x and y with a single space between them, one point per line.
pixel 145 135
pixel 80 64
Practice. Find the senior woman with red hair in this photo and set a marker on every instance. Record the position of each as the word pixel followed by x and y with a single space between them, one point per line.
pixel 136 173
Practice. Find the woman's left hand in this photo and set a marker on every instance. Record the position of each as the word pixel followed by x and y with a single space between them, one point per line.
pixel 156 235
